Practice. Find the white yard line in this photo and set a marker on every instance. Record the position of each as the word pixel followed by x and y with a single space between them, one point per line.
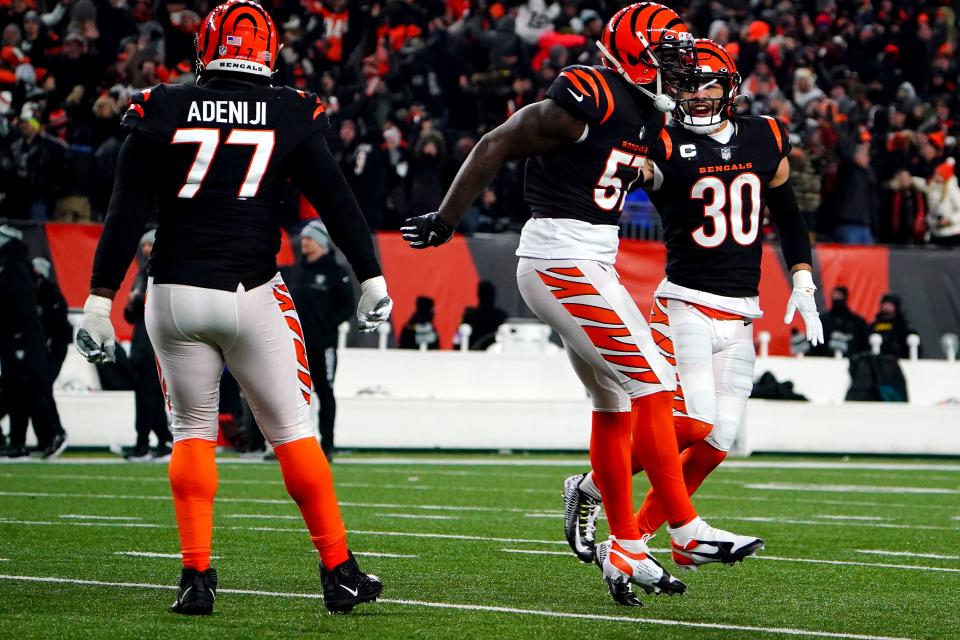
pixel 417 516
pixel 377 554
pixel 848 488
pixel 876 565
pixel 522 461
pixel 78 523
pixel 483 608
pixel 907 554
pixel 153 554
pixel 78 516
pixel 827 516
pixel 286 501
pixel 261 516
pixel 832 523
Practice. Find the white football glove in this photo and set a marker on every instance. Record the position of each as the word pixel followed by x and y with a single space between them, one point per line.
pixel 96 340
pixel 802 300
pixel 375 304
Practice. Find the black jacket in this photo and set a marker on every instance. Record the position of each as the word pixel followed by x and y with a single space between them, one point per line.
pixel 23 348
pixel 323 295
pixel 53 315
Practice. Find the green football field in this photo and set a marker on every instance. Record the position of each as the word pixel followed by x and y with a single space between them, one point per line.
pixel 472 547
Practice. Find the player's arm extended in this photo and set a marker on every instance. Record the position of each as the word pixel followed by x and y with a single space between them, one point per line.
pixel 537 128
pixel 133 199
pixel 795 245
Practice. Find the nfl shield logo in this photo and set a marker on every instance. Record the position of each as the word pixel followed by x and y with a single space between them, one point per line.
pixel 222 49
pixel 725 153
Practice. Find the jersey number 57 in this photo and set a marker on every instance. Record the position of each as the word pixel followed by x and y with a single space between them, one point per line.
pixel 609 193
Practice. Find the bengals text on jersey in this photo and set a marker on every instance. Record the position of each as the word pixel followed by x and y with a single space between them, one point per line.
pixel 710 196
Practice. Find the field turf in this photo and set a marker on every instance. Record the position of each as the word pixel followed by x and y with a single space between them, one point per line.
pixel 472 547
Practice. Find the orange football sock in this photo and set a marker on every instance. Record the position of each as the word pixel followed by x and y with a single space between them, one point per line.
pixel 309 482
pixel 698 461
pixel 690 431
pixel 610 458
pixel 193 479
pixel 655 450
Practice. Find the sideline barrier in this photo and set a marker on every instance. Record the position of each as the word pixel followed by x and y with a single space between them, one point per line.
pixel 481 400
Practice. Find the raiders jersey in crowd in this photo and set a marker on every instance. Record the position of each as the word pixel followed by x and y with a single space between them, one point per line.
pixel 221 174
pixel 577 192
pixel 710 196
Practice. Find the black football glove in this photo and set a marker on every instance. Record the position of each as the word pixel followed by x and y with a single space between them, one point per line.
pixel 425 231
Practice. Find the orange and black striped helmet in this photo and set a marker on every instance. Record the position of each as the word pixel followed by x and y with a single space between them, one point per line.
pixel 715 67
pixel 238 36
pixel 647 42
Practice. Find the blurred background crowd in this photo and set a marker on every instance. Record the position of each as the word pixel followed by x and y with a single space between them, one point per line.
pixel 867 88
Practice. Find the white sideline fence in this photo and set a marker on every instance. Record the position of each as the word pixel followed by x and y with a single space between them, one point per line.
pixel 401 399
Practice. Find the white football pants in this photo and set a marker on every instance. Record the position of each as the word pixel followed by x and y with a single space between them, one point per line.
pixel 715 361
pixel 606 338
pixel 256 334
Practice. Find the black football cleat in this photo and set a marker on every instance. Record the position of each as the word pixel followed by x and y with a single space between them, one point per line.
pixel 580 513
pixel 345 586
pixel 198 592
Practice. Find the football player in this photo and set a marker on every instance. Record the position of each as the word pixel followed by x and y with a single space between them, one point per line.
pixel 585 145
pixel 217 156
pixel 710 177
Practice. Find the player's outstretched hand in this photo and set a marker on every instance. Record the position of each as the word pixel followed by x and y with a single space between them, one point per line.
pixel 802 300
pixel 375 304
pixel 425 231
pixel 96 340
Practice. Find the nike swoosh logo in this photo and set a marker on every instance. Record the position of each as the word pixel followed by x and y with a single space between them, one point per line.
pixel 576 96
pixel 352 592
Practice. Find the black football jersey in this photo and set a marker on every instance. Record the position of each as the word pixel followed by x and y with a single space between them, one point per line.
pixel 589 180
pixel 221 176
pixel 711 202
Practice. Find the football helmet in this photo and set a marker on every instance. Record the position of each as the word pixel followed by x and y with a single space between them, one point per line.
pixel 697 111
pixel 648 44
pixel 238 36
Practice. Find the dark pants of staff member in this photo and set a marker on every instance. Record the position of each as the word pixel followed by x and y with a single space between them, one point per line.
pixel 323 369
pixel 28 394
pixel 148 401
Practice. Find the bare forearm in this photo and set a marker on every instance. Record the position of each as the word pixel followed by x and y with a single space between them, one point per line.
pixel 478 171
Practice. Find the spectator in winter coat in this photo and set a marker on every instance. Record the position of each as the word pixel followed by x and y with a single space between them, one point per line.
pixel 854 203
pixel 843 329
pixel 943 199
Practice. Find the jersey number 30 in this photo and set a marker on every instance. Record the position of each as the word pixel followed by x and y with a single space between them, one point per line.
pixel 209 141
pixel 744 231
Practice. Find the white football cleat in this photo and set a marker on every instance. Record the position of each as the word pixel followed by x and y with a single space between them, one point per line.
pixel 708 545
pixel 621 568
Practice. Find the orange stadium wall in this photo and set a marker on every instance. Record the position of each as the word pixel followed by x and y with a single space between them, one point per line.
pixel 927 280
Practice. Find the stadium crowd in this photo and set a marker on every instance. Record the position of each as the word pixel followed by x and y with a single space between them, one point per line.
pixel 866 87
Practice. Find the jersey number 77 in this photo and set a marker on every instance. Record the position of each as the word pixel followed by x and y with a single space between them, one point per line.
pixel 209 142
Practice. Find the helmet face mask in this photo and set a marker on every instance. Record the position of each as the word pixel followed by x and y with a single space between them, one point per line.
pixel 648 44
pixel 708 92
